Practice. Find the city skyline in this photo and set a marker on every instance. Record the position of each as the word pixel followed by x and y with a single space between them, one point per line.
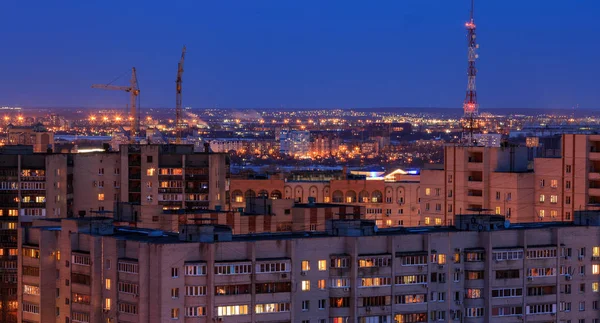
pixel 317 57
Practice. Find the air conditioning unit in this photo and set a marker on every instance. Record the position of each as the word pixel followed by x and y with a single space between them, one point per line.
pixel 458 302
pixel 568 277
pixel 530 278
pixel 421 267
pixel 303 273
pixel 368 309
pixel 441 266
pixel 580 257
pixel 284 276
pixel 424 285
pixel 383 308
pixel 346 289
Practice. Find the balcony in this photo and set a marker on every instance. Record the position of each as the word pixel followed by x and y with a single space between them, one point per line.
pixel 594 191
pixel 374 310
pixel 178 190
pixel 137 176
pixel 594 155
pixel 33 178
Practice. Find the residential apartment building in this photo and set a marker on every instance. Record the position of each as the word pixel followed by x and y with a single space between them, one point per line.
pixel 56 185
pixel 261 215
pixel 482 270
pixel 391 200
pixel 501 180
pixel 476 178
pixel 37 136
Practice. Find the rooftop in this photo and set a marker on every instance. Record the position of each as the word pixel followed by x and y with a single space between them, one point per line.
pixel 160 237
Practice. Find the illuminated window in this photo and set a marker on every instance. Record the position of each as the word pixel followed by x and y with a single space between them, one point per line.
pixel 107 283
pixel 174 313
pixel 427 191
pixel 498 211
pixel 305 285
pixel 322 265
pixel 13 213
pixel 553 183
pixel 239 199
pixel 438 221
pixel 596 252
pixel 305 265
pixel 542 213
pixel 232 310
pixel 100 196
pixel 595 269
pixel 12 225
pixel 326 199
pixel 542 198
pixel 595 287
pixel 554 199
pixel 441 259
pixel 553 213
pixel 388 223
pixel 107 304
pixel 321 284
pixel 427 220
pixel 150 171
pixel 40 199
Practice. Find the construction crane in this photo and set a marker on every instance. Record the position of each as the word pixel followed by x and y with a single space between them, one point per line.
pixel 134 92
pixel 178 112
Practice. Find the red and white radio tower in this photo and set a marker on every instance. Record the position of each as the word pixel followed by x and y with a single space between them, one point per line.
pixel 470 106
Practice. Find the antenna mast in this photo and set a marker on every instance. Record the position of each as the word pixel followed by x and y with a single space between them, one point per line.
pixel 470 106
pixel 178 110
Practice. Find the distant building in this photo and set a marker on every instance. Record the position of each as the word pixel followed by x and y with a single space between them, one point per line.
pixel 294 143
pixel 38 136
pixel 488 139
pixel 324 143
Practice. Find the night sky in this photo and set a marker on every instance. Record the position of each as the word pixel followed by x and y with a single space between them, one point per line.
pixel 300 54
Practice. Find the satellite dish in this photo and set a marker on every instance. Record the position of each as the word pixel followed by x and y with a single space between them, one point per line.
pixel 506 224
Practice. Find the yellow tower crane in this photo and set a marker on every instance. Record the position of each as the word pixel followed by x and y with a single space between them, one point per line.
pixel 178 112
pixel 134 92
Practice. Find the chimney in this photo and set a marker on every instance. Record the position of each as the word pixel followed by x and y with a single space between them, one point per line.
pixel 345 172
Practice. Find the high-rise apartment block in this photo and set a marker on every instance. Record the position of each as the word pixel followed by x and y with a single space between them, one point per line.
pixel 49 185
pixel 482 270
pixel 502 180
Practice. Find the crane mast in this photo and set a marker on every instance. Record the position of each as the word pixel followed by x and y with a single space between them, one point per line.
pixel 178 111
pixel 134 92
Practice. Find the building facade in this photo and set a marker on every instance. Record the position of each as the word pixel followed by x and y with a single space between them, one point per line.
pixel 482 270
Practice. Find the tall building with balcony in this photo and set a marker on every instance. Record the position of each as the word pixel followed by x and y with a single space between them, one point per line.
pixel 49 185
pixel 481 270
pixel 475 179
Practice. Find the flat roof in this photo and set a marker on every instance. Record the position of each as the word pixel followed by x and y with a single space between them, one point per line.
pixel 163 237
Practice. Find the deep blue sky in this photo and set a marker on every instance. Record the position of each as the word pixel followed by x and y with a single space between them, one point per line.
pixel 300 54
